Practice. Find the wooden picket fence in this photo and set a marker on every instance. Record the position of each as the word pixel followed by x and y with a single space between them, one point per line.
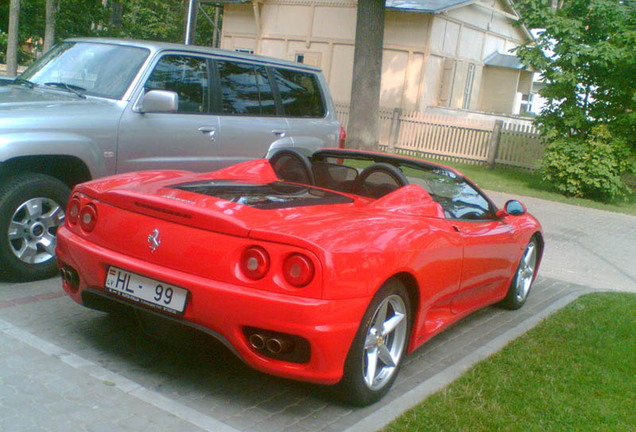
pixel 448 137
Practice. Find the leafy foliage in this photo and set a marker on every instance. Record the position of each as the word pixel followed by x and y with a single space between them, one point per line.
pixel 591 167
pixel 3 45
pixel 587 56
pixel 159 20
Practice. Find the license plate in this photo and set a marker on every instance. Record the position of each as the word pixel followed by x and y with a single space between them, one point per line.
pixel 144 290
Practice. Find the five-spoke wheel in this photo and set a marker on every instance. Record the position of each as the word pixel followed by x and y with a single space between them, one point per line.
pixel 522 282
pixel 379 346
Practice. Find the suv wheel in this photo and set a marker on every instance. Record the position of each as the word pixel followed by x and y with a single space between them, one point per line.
pixel 31 210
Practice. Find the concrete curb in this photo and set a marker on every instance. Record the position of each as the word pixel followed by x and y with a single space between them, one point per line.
pixel 119 382
pixel 408 400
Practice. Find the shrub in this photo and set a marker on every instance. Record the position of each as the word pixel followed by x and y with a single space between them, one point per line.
pixel 592 167
pixel 3 46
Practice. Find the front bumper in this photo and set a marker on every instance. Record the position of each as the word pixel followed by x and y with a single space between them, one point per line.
pixel 225 310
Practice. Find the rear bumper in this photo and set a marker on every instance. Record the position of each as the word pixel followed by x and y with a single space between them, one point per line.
pixel 225 310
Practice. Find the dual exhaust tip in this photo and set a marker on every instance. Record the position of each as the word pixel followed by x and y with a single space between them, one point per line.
pixel 273 345
pixel 279 346
pixel 70 276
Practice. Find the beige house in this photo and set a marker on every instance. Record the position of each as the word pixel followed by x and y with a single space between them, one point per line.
pixel 437 53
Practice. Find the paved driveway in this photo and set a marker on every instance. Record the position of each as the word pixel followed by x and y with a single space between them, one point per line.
pixel 64 367
pixel 585 246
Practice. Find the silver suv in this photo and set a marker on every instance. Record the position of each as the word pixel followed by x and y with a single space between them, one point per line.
pixel 95 107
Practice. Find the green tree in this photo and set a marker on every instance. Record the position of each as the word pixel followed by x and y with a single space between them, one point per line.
pixel 137 19
pixel 586 53
pixel 147 19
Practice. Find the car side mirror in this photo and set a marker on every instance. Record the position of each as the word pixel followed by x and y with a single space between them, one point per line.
pixel 159 101
pixel 513 208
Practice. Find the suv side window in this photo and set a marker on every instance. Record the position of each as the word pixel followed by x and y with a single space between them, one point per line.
pixel 188 76
pixel 245 89
pixel 299 93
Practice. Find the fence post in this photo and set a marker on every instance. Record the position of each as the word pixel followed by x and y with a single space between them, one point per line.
pixel 395 129
pixel 494 143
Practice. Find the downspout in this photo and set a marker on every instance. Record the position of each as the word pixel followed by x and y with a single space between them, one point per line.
pixel 427 54
pixel 257 19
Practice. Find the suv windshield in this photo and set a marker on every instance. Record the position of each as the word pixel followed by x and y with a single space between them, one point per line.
pixel 94 69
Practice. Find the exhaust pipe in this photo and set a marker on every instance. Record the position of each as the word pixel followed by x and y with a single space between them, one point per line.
pixel 278 345
pixel 257 341
pixel 70 276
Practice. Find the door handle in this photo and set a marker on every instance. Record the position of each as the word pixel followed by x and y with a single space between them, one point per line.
pixel 209 130
pixel 279 133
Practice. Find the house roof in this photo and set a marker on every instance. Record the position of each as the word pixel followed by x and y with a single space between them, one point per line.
pixel 419 6
pixel 426 6
pixel 508 61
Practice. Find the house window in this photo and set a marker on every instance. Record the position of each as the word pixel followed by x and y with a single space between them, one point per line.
pixel 526 103
pixel 446 84
pixel 308 58
pixel 469 86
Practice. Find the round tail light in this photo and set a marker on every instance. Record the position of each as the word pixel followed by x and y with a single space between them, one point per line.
pixel 73 211
pixel 255 263
pixel 88 217
pixel 298 270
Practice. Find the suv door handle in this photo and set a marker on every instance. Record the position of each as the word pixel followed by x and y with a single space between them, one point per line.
pixel 279 133
pixel 209 130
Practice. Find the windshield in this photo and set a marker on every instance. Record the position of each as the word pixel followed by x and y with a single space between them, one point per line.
pixel 93 69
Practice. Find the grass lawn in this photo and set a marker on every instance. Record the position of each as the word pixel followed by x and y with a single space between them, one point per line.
pixel 573 372
pixel 527 183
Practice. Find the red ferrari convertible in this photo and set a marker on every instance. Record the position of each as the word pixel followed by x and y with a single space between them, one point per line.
pixel 326 268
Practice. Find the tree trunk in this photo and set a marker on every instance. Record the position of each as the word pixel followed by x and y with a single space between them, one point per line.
pixel 12 44
pixel 216 32
pixel 362 132
pixel 49 27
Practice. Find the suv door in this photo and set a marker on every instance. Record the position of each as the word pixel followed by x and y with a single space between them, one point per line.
pixel 308 110
pixel 185 139
pixel 249 120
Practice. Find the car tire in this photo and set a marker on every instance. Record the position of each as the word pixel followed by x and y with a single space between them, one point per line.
pixel 524 277
pixel 31 209
pixel 375 344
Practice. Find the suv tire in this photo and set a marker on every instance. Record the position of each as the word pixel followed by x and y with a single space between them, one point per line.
pixel 31 209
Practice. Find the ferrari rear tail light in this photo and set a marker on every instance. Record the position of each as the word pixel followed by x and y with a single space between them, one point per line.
pixel 342 138
pixel 88 217
pixel 255 262
pixel 73 211
pixel 298 270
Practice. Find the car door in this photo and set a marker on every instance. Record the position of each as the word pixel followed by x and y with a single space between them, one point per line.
pixel 307 109
pixel 488 243
pixel 185 139
pixel 250 121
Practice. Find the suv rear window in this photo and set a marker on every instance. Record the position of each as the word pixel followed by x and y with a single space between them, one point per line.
pixel 299 93
pixel 245 89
